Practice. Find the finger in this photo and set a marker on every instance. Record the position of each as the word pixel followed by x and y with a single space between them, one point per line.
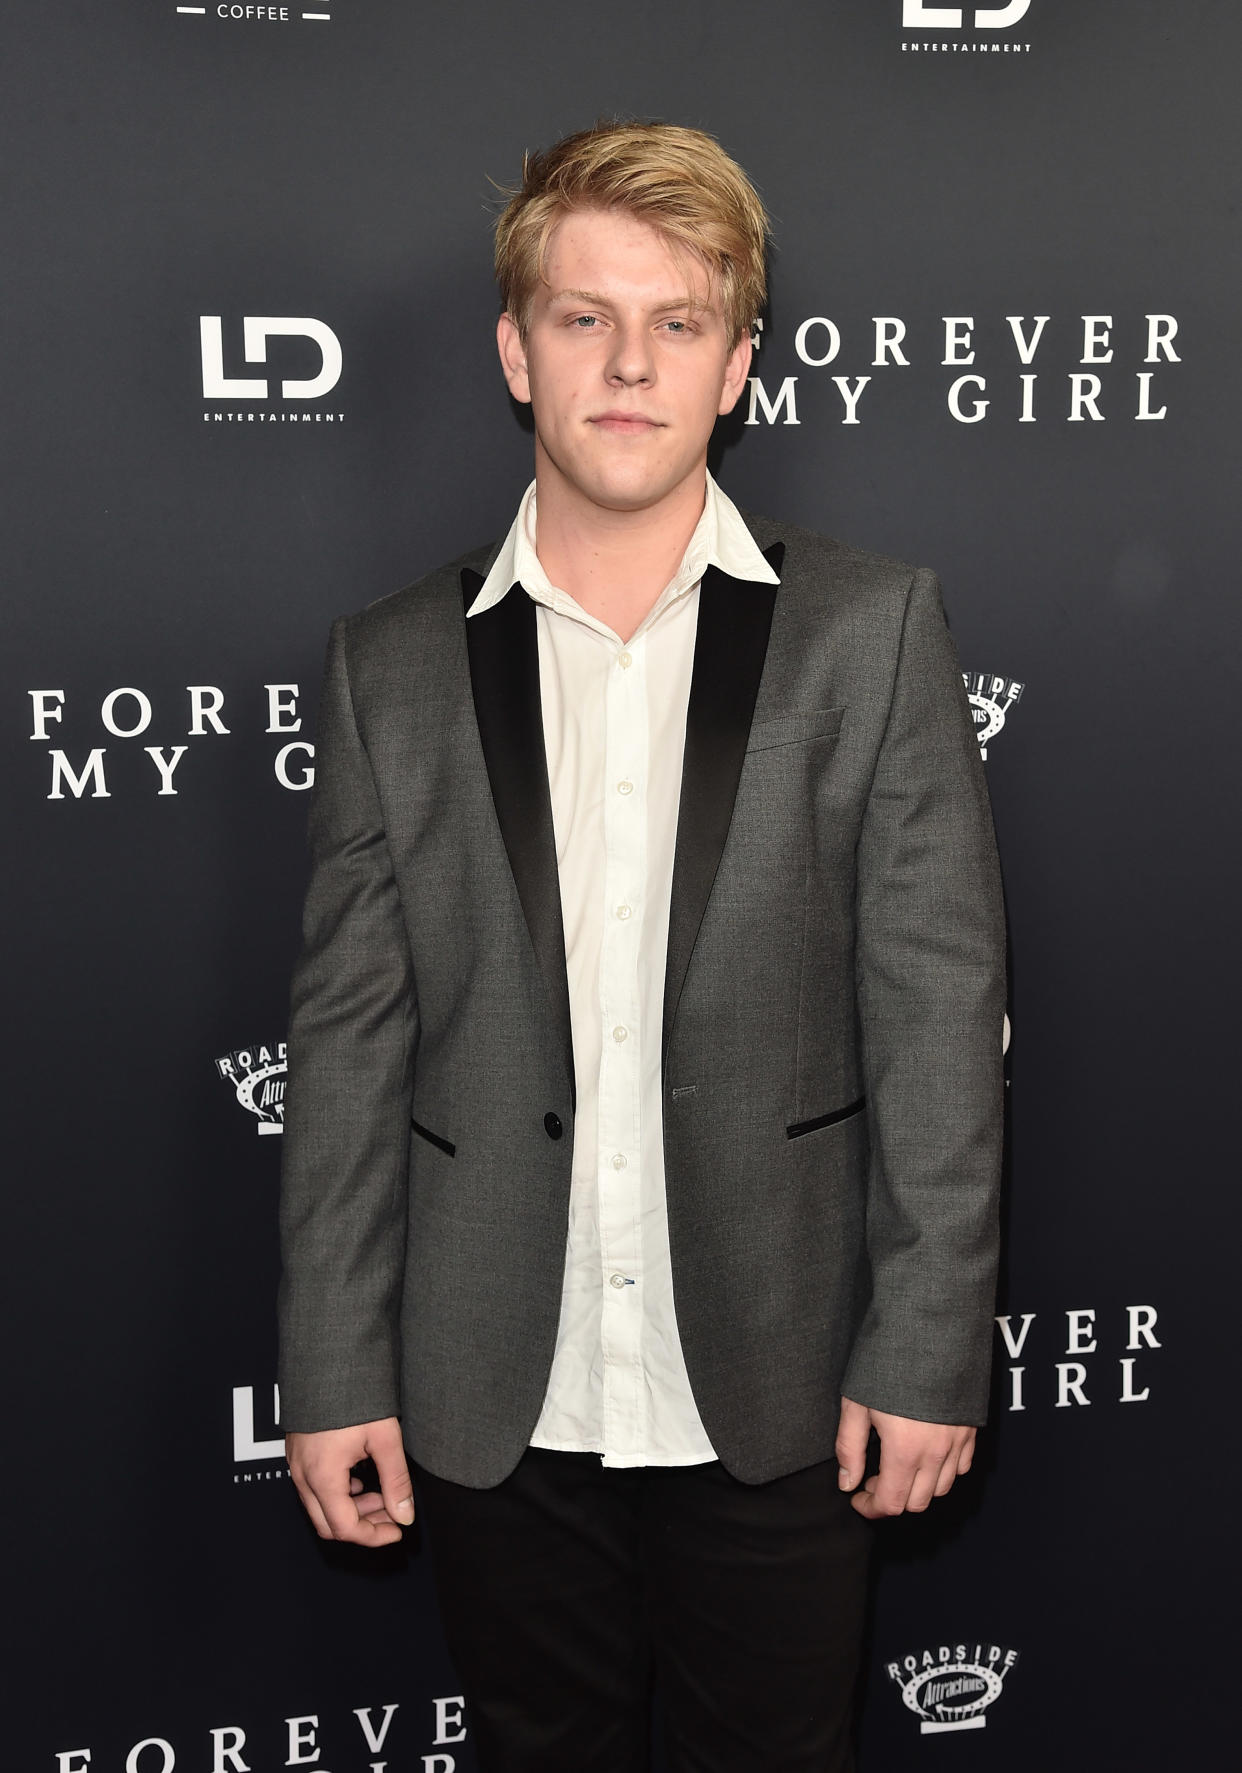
pixel 310 1503
pixel 394 1477
pixel 926 1485
pixel 948 1475
pixel 957 1464
pixel 370 1505
pixel 340 1510
pixel 864 1501
pixel 351 1526
pixel 889 1490
pixel 853 1433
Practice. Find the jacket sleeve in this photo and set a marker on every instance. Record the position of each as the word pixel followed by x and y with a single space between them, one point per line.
pixel 352 1037
pixel 931 995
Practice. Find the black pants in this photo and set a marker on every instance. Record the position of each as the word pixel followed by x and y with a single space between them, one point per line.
pixel 562 1588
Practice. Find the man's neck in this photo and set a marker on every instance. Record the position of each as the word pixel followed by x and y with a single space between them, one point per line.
pixel 614 564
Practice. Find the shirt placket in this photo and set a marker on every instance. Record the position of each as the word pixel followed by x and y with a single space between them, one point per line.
pixel 619 1131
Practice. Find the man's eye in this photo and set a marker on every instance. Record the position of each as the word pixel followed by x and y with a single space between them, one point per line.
pixel 585 321
pixel 677 326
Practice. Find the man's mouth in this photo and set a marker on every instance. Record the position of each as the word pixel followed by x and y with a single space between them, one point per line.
pixel 633 423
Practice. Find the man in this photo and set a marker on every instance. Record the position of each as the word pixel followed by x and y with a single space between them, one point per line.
pixel 643 1123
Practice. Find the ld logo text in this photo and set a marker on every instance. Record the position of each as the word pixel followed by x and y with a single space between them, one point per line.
pixel 916 14
pixel 256 330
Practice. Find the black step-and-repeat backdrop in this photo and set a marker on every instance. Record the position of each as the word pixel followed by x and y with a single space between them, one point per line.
pixel 250 385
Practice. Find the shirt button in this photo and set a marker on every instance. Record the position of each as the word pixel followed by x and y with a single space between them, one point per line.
pixel 619 1034
pixel 552 1125
pixel 619 1161
pixel 618 1281
pixel 624 911
pixel 625 660
pixel 626 787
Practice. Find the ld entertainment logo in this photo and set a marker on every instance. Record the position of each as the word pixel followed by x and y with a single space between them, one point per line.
pixel 258 1075
pixel 248 1444
pixel 257 329
pixel 991 698
pixel 952 1687
pixel 976 37
pixel 917 16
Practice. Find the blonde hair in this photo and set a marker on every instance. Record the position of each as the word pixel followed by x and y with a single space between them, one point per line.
pixel 679 181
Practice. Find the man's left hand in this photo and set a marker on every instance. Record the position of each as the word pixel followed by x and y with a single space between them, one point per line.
pixel 918 1460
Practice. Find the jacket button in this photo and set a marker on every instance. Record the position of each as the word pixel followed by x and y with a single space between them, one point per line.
pixel 552 1125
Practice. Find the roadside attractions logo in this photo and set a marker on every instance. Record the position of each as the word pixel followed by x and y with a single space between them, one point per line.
pixel 67 727
pixel 257 1075
pixel 990 698
pixel 951 1687
pixel 963 30
pixel 422 1735
pixel 1043 371
pixel 234 14
pixel 266 397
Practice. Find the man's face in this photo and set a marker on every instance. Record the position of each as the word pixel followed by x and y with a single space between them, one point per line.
pixel 626 363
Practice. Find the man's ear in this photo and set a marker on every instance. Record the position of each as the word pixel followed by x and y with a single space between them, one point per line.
pixel 736 370
pixel 513 358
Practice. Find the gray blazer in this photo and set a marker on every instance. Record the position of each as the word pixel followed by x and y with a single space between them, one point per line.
pixel 832 1024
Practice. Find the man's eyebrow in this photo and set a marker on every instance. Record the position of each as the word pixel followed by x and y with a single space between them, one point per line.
pixel 593 298
pixel 579 295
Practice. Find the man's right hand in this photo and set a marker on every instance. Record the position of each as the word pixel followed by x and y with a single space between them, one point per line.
pixel 338 1506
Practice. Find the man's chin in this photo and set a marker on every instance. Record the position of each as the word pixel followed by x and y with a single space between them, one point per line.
pixel 622 494
pixel 622 502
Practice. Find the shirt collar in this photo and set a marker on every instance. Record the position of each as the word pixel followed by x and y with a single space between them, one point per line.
pixel 720 539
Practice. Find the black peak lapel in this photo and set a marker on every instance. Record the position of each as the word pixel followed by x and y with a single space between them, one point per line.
pixel 502 645
pixel 735 620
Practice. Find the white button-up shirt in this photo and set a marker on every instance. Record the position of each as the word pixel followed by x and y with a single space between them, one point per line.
pixel 614 728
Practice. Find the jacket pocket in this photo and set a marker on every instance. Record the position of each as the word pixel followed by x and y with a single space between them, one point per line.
pixel 445 1145
pixel 796 728
pixel 802 1127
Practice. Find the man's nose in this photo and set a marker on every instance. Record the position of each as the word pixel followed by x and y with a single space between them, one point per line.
pixel 630 360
